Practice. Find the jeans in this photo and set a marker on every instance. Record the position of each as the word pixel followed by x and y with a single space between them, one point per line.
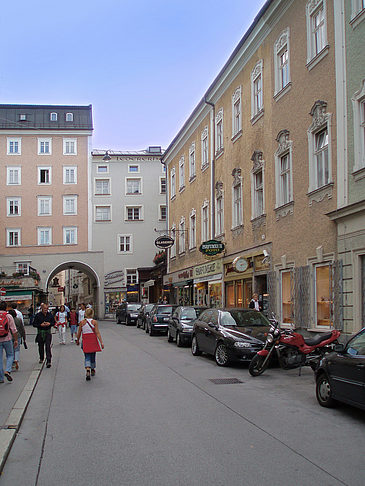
pixel 9 351
pixel 90 360
pixel 17 350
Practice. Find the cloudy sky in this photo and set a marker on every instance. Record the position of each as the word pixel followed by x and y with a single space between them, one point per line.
pixel 143 64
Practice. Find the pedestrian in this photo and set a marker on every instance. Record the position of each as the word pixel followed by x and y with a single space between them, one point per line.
pixel 14 306
pixel 255 304
pixel 21 337
pixel 31 314
pixel 61 324
pixel 73 319
pixel 81 312
pixel 7 331
pixel 89 305
pixel 91 338
pixel 44 321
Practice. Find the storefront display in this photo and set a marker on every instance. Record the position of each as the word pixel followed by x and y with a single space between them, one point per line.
pixel 323 301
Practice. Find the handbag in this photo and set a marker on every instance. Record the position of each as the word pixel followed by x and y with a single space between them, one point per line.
pixel 90 342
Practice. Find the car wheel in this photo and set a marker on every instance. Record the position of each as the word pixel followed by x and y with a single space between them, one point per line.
pixel 324 391
pixel 221 355
pixel 194 347
pixel 179 342
pixel 169 337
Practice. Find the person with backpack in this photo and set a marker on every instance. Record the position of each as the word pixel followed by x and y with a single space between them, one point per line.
pixel 7 331
pixel 21 337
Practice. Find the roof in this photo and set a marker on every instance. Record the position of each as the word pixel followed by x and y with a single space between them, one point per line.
pixel 127 153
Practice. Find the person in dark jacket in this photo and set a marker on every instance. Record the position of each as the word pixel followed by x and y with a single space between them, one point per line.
pixel 44 321
pixel 255 303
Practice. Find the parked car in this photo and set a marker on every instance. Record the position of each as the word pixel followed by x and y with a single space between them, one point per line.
pixel 340 376
pixel 127 313
pixel 180 326
pixel 229 334
pixel 158 319
pixel 143 313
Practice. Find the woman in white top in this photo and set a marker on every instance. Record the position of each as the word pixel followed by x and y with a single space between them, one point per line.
pixel 61 324
pixel 87 326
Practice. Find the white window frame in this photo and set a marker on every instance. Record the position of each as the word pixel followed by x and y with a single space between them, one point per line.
pixel 102 166
pixel 204 148
pixel 46 229
pixel 192 162
pixel 67 169
pixel 173 236
pixel 44 168
pixel 173 183
pixel 72 198
pixel 312 9
pixel 66 142
pixel 162 207
pixel 102 206
pixel 53 117
pixel 257 96
pixel 44 141
pixel 205 221
pixel 357 12
pixel 130 171
pixel 22 267
pixel 237 112
pixel 102 181
pixel 10 171
pixel 69 117
pixel 9 232
pixel 192 229
pixel 44 202
pixel 140 213
pixel 358 107
pixel 237 203
pixel 258 191
pixel 181 231
pixel 281 46
pixel 126 243
pixel 181 173
pixel 219 131
pixel 321 121
pixel 285 149
pixel 139 179
pixel 12 140
pixel 71 230
pixel 162 185
pixel 219 215
pixel 131 272
pixel 12 202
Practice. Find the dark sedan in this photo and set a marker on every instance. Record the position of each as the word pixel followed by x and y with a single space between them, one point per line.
pixel 229 334
pixel 340 376
pixel 159 317
pixel 142 315
pixel 127 313
pixel 181 324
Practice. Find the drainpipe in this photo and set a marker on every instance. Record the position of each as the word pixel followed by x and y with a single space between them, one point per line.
pixel 212 169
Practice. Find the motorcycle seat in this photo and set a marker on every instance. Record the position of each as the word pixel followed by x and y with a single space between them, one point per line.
pixel 317 339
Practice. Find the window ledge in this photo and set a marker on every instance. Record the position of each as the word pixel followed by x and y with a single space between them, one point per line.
pixel 354 22
pixel 359 174
pixel 192 179
pixel 205 167
pixel 258 221
pixel 318 195
pixel 220 237
pixel 181 189
pixel 318 58
pixel 284 210
pixel 182 254
pixel 173 197
pixel 219 154
pixel 236 136
pixel 237 230
pixel 257 116
pixel 279 94
pixel 191 250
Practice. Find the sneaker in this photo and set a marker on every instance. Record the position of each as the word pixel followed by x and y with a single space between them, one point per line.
pixel 92 372
pixel 8 376
pixel 48 365
pixel 16 364
pixel 88 378
pixel 40 361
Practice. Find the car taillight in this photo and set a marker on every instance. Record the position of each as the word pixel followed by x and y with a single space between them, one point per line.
pixel 154 319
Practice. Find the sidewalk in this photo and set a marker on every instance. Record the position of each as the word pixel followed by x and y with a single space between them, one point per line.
pixel 15 395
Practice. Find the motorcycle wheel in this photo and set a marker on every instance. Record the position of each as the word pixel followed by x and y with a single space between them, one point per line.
pixel 258 365
pixel 324 392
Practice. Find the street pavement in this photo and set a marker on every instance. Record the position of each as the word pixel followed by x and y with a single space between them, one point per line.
pixel 152 415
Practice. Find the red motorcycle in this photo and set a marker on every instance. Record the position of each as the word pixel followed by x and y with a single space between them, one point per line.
pixel 292 349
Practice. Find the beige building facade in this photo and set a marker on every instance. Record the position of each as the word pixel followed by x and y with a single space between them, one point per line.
pixel 254 167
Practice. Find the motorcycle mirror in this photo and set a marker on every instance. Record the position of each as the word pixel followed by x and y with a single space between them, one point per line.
pixel 339 348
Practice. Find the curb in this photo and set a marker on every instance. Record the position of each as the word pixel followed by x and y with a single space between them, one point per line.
pixel 12 424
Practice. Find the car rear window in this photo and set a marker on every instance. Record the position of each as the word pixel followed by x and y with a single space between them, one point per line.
pixel 166 309
pixel 133 307
pixel 189 313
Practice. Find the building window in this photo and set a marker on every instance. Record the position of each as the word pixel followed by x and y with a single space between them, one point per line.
pixel 282 61
pixel 237 216
pixel 316 28
pixel 322 295
pixel 14 146
pixel 181 173
pixel 13 206
pixel 133 168
pixel 13 176
pixel 257 101
pixel 358 6
pixel 132 276
pixel 287 309
pixel 69 146
pixel 22 117
pixel 44 205
pixel 163 213
pixel 219 209
pixel 124 243
pixel 69 205
pixel 173 236
pixel 358 106
pixel 22 267
pixel 219 131
pixel 13 237
pixel 204 148
pixel 236 112
pixel 192 167
pixel 70 175
pixel 258 194
pixel 44 236
pixel 69 117
pixel 102 169
pixel 102 187
pixel 205 221
pixel 53 117
pixel 70 235
pixel 133 186
pixel 319 135
pixel 44 175
pixel 102 213
pixel 44 146
pixel 283 169
pixel 182 235
pixel 173 183
pixel 192 230
pixel 162 185
pixel 133 213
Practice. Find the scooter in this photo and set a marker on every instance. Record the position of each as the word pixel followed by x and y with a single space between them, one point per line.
pixel 292 349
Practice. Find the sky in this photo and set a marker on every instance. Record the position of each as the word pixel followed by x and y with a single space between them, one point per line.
pixel 143 65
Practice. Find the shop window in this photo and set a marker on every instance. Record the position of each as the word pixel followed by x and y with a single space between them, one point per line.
pixel 230 300
pixel 286 297
pixel 323 295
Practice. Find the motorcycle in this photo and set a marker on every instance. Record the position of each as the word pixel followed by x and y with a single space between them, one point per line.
pixel 292 349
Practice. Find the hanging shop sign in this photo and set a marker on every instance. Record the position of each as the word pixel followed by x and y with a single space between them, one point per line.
pixel 240 264
pixel 164 241
pixel 211 247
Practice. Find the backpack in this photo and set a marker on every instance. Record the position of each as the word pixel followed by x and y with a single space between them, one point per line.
pixel 4 324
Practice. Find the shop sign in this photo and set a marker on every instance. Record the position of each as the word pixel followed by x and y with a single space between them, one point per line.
pixel 240 264
pixel 164 242
pixel 211 268
pixel 2 292
pixel 211 247
pixel 61 289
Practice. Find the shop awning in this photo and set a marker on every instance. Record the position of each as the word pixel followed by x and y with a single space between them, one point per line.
pixel 17 295
pixel 218 276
